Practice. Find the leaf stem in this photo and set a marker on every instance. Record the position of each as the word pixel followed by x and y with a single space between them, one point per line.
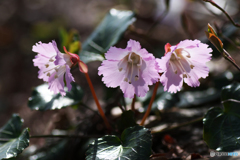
pixel 150 104
pixel 217 6
pixel 133 103
pixel 97 102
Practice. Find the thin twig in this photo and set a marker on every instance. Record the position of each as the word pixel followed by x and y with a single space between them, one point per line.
pixel 227 56
pixel 217 6
pixel 178 126
pixel 64 136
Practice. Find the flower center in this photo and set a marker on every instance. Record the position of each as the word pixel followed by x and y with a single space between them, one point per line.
pixel 51 68
pixel 131 64
pixel 177 59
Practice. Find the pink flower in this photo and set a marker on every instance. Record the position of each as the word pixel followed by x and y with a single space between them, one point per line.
pixel 132 68
pixel 184 61
pixel 54 66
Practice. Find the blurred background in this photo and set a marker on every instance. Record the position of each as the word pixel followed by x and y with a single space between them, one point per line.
pixel 26 22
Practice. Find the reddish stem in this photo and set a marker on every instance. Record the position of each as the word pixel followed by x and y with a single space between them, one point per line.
pixel 150 104
pixel 97 102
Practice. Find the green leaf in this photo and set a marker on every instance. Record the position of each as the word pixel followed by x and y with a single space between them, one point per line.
pixel 127 120
pixel 135 144
pixel 12 141
pixel 222 126
pixel 108 32
pixel 43 99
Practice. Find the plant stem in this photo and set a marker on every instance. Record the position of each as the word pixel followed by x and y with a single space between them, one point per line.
pixel 217 6
pixel 97 102
pixel 133 103
pixel 150 104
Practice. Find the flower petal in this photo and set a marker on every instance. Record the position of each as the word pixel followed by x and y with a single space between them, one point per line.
pixel 45 49
pixel 171 81
pixel 115 53
pixel 56 84
pixel 112 77
pixel 163 63
pixel 69 78
pixel 133 46
pixel 140 88
pixel 150 72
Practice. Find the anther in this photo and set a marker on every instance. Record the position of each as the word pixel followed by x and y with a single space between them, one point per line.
pixel 120 69
pixel 48 74
pixel 184 76
pixel 55 76
pixel 125 79
pixel 191 66
pixel 136 78
pixel 47 65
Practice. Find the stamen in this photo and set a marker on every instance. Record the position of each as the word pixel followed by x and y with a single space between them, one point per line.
pixel 47 65
pixel 136 78
pixel 191 66
pixel 48 74
pixel 172 66
pixel 140 62
pixel 56 76
pixel 183 70
pixel 129 57
pixel 126 79
pixel 120 69
pixel 131 73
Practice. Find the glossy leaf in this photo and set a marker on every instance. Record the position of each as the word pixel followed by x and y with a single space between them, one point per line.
pixel 108 32
pixel 135 144
pixel 43 99
pixel 222 126
pixel 12 141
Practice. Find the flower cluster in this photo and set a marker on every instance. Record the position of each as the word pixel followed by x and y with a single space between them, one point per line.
pixel 132 68
pixel 54 66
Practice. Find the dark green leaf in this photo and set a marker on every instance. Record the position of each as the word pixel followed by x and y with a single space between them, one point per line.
pixel 108 32
pixel 12 141
pixel 135 144
pixel 127 120
pixel 43 99
pixel 222 126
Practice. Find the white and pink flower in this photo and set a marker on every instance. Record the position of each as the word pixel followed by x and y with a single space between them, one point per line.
pixel 186 62
pixel 132 68
pixel 54 66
